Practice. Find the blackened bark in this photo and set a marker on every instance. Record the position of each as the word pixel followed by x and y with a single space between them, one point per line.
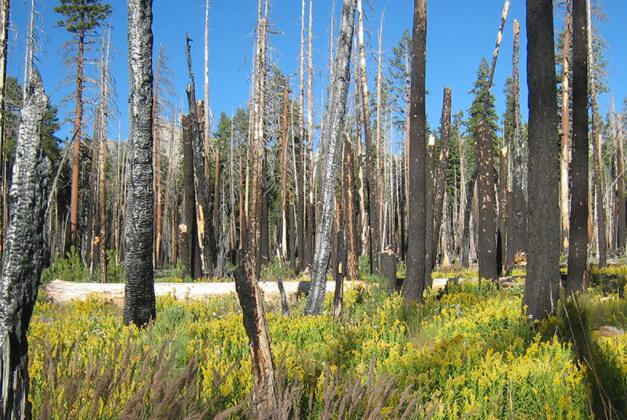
pixel 246 275
pixel 416 225
pixel 486 249
pixel 333 147
pixel 24 254
pixel 204 205
pixel 139 297
pixel 187 228
pixel 544 154
pixel 578 233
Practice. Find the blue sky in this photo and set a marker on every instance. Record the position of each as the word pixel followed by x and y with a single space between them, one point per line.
pixel 460 33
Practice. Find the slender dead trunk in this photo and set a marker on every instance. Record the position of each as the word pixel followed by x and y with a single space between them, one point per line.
pixel 139 294
pixel 414 283
pixel 265 396
pixel 620 185
pixel 370 174
pixel 308 150
pixel 24 254
pixel 102 160
pixel 283 171
pixel 430 202
pixel 333 145
pixel 352 263
pixel 207 109
pixel 543 269
pixel 519 170
pixel 380 157
pixel 76 141
pixel 565 153
pixel 579 201
pixel 157 163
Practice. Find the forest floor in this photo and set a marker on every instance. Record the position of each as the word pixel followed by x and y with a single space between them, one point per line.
pixel 466 351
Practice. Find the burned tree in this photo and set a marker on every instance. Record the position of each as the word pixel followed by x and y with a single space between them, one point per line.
pixel 332 139
pixel 544 154
pixel 204 213
pixel 24 255
pixel 578 232
pixel 139 296
pixel 265 396
pixel 416 224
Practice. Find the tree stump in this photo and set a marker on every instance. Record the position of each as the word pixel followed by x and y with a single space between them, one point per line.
pixel 387 261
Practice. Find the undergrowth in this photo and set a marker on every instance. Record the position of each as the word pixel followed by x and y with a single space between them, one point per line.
pixel 465 352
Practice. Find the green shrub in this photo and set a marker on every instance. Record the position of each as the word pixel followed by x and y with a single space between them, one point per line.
pixel 68 268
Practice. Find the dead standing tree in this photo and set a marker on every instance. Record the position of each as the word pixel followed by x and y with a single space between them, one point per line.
pixel 333 147
pixel 544 152
pixel 204 213
pixel 440 179
pixel 370 175
pixel 417 156
pixel 23 259
pixel 139 293
pixel 578 233
pixel 265 396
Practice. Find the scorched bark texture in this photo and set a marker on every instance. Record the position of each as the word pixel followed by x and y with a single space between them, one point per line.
pixel 23 259
pixel 333 147
pixel 139 297
pixel 543 270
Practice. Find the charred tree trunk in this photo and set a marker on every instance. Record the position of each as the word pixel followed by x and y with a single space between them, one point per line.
pixel 139 296
pixel 24 255
pixel 578 234
pixel 414 283
pixel 187 228
pixel 265 396
pixel 487 246
pixel 543 270
pixel 333 145
pixel 204 212
pixel 440 179
pixel 4 35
